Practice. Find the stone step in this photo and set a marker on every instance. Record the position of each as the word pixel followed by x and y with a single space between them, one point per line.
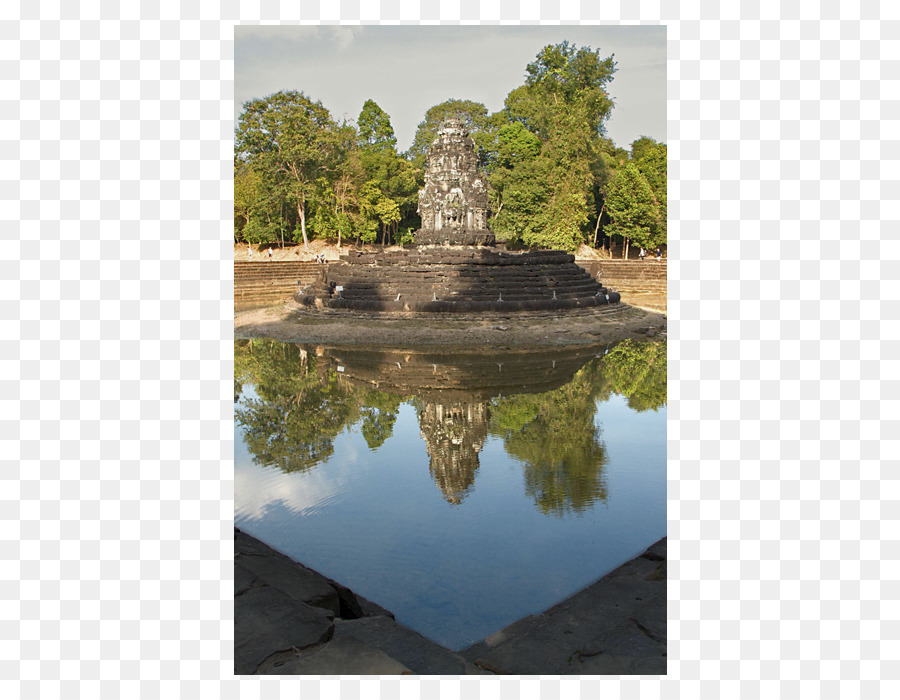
pixel 411 649
pixel 485 290
pixel 615 626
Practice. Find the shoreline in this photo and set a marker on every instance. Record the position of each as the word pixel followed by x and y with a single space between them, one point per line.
pixel 291 322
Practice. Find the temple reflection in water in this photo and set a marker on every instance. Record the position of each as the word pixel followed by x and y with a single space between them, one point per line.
pixel 454 434
pixel 539 403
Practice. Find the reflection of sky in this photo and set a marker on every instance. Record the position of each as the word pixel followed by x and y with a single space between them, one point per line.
pixel 377 522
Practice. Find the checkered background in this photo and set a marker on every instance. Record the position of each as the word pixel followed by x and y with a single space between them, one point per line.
pixel 116 140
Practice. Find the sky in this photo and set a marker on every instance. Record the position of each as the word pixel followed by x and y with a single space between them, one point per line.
pixel 408 69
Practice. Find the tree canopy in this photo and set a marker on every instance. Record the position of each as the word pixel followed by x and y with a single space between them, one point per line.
pixel 555 180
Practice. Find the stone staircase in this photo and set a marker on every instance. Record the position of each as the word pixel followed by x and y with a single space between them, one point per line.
pixel 460 279
pixel 271 280
pixel 649 276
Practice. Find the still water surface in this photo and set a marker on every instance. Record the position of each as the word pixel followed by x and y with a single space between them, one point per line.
pixel 461 492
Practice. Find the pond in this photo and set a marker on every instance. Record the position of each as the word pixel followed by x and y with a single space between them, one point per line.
pixel 460 491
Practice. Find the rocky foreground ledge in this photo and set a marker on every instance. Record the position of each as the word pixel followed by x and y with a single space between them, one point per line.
pixel 291 620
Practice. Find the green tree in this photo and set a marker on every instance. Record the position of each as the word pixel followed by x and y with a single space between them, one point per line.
pixel 386 182
pixel 563 104
pixel 374 126
pixel 634 210
pixel 248 192
pixel 293 142
pixel 651 158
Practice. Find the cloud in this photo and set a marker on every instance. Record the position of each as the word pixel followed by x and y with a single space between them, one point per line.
pixel 343 35
pixel 408 69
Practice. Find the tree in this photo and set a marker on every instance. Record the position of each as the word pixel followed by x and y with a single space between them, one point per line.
pixel 293 142
pixel 634 210
pixel 386 182
pixel 374 126
pixel 563 105
pixel 651 159
pixel 248 194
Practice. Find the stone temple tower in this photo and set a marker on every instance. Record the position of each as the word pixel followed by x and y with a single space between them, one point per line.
pixel 454 202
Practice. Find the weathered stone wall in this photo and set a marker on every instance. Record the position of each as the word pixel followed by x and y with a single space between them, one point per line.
pixel 271 280
pixel 629 275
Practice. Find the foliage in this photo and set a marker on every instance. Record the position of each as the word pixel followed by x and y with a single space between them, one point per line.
pixel 549 161
pixel 651 159
pixel 375 129
pixel 293 142
pixel 634 209
pixel 386 182
pixel 553 177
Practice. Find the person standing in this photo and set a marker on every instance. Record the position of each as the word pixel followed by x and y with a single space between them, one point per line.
pixel 643 253
pixel 270 253
pixel 658 254
pixel 249 251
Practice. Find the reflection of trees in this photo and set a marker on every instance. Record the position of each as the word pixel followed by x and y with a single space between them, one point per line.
pixel 554 435
pixel 302 406
pixel 637 370
pixel 305 403
pixel 379 413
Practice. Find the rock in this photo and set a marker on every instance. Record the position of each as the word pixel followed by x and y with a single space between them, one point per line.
pixel 354 606
pixel 410 648
pixel 293 579
pixel 657 551
pixel 340 657
pixel 266 621
pixel 243 580
pixel 625 651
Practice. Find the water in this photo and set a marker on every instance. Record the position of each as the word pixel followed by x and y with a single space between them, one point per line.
pixel 462 492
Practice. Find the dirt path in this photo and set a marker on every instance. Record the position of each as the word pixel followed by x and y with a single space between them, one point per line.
pixel 291 322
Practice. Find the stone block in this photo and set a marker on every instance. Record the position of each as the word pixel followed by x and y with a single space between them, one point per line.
pixel 266 622
pixel 279 571
pixel 341 657
pixel 410 648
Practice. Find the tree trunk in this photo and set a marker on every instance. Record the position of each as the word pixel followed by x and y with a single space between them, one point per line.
pixel 341 220
pixel 301 211
pixel 597 227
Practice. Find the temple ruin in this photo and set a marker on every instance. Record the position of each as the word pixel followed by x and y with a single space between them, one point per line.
pixel 454 202
pixel 455 265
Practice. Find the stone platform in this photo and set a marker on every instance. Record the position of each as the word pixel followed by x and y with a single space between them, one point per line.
pixel 456 279
pixel 291 620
